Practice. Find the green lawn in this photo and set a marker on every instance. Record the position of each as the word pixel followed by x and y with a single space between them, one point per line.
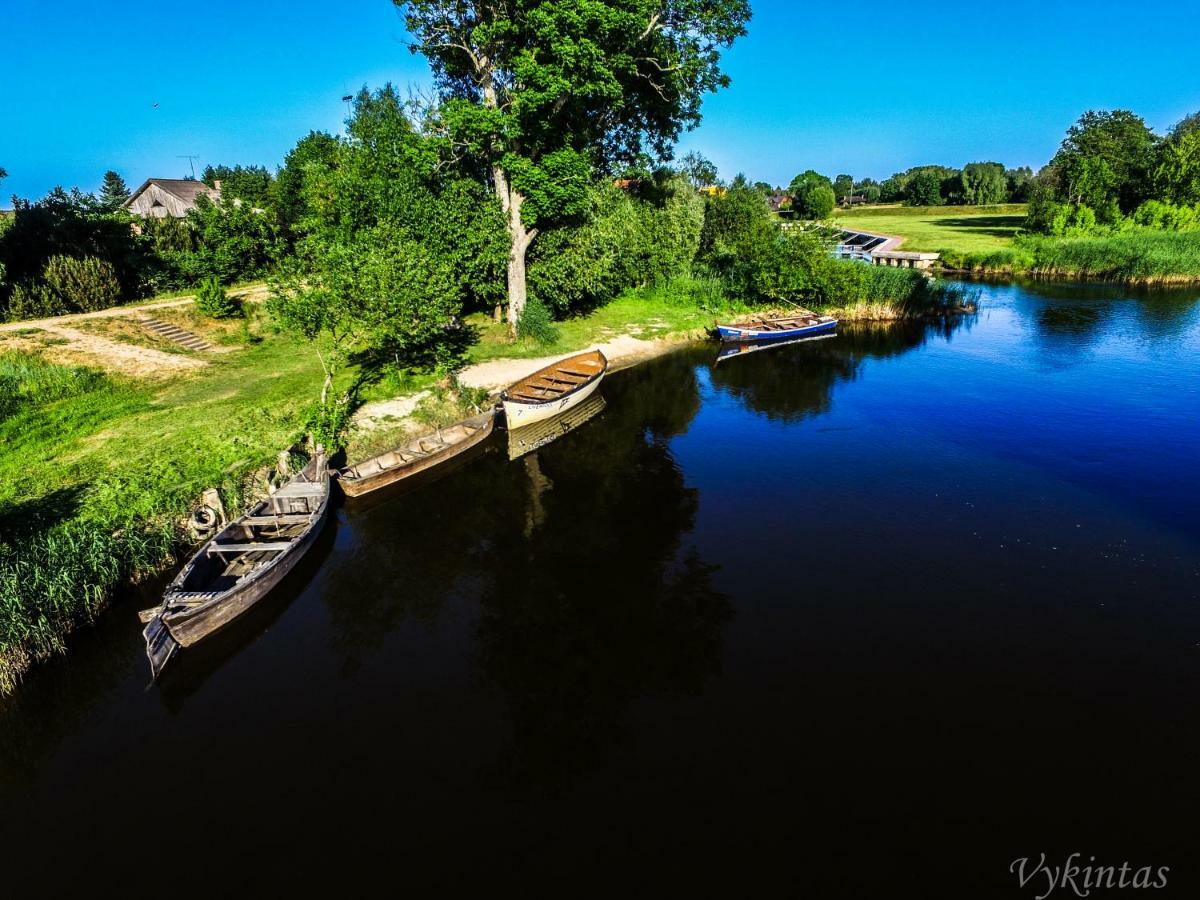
pixel 963 229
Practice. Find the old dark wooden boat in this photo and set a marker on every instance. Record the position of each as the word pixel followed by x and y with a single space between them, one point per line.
pixel 418 455
pixel 803 324
pixel 239 566
pixel 554 389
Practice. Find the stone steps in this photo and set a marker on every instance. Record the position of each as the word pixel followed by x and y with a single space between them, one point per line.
pixel 174 333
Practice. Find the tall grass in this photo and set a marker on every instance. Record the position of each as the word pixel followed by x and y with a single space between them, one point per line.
pixel 1140 255
pixel 52 581
pixel 96 472
pixel 26 378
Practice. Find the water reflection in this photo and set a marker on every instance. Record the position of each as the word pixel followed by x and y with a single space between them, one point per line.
pixel 795 381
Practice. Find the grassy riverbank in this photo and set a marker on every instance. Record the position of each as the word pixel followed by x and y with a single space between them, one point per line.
pixel 986 240
pixel 100 461
pixel 1138 256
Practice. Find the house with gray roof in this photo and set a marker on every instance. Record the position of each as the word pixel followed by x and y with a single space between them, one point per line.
pixel 159 198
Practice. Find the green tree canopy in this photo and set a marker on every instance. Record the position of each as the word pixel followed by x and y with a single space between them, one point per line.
pixel 1107 158
pixel 250 184
pixel 1178 175
pixel 698 169
pixel 843 187
pixel 543 91
pixel 924 189
pixel 113 191
pixel 984 183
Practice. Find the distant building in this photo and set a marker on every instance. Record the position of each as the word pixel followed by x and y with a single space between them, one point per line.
pixel 779 201
pixel 853 199
pixel 160 198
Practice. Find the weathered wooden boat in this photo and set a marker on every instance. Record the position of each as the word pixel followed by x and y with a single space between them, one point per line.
pixel 803 324
pixel 741 348
pixel 418 455
pixel 554 389
pixel 522 441
pixel 238 566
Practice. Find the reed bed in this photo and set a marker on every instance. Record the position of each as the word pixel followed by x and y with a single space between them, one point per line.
pixel 1138 256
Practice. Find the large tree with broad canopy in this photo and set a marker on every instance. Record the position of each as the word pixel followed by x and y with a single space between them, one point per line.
pixel 545 92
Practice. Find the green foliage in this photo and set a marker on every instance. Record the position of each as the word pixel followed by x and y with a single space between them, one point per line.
pixel 984 183
pixel 843 187
pixel 250 184
pixel 26 379
pixel 34 299
pixel 622 242
pixel 307 166
pixel 213 301
pixel 698 170
pixel 72 224
pixel 544 91
pixel 1139 255
pixel 536 323
pixel 924 189
pixel 1177 177
pixel 233 241
pixel 1167 216
pixel 82 284
pixel 389 175
pixel 113 191
pixel 1106 158
pixel 814 200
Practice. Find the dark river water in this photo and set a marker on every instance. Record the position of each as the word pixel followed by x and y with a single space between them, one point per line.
pixel 876 615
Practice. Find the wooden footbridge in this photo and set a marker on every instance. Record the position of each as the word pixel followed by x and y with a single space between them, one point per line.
pixel 881 250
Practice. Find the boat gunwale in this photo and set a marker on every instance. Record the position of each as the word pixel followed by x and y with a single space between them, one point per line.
pixel 506 395
pixel 173 592
pixel 485 423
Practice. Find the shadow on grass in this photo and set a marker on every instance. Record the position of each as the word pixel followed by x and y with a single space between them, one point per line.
pixel 996 226
pixel 29 517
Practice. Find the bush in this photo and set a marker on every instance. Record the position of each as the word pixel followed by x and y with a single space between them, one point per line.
pixel 536 323
pixel 214 302
pixel 34 300
pixel 83 284
pixel 1167 216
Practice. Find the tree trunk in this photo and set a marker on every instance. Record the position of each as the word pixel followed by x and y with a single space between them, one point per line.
pixel 518 244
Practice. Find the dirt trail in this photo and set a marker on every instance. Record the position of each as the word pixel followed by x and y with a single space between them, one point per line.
pixel 622 352
pixel 253 293
pixel 130 359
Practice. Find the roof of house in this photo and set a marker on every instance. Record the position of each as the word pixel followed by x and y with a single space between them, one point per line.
pixel 183 188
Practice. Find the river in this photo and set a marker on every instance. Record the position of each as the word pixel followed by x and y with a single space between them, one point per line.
pixel 875 613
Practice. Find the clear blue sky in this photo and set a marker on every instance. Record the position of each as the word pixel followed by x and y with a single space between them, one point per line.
pixel 833 87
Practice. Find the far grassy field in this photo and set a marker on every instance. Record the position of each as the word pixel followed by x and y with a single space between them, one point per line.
pixel 962 229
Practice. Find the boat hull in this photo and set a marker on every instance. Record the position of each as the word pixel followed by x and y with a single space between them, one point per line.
pixel 192 626
pixel 357 487
pixel 518 414
pixel 735 333
pixel 187 617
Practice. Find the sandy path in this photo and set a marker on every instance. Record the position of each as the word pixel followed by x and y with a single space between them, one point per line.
pixel 252 293
pixel 622 351
pixel 130 359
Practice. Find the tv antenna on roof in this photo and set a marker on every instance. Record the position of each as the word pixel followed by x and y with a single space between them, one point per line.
pixel 191 158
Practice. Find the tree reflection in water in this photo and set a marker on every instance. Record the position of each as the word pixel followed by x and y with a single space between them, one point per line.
pixel 794 381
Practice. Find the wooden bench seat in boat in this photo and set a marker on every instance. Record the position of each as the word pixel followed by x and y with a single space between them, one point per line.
pixel 281 519
pixel 300 489
pixel 249 547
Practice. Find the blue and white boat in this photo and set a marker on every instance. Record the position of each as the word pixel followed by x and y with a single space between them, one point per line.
pixel 787 328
